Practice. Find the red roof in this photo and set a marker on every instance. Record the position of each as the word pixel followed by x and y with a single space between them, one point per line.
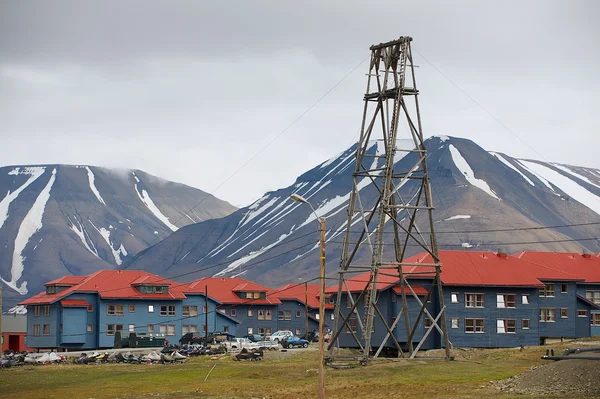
pixel 111 284
pixel 66 280
pixel 416 288
pixel 72 303
pixel 224 290
pixel 471 268
pixel 585 267
pixel 298 292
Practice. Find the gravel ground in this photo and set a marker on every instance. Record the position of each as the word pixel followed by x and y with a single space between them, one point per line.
pixel 564 377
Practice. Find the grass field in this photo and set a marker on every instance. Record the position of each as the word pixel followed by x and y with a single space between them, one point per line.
pixel 278 376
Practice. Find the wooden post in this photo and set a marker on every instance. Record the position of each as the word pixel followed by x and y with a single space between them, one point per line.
pixel 322 313
pixel 306 307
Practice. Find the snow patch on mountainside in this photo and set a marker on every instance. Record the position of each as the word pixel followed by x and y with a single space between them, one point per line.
pixel 10 197
pixel 234 265
pixel 31 223
pixel 145 198
pixel 463 166
pixel 457 217
pixel 540 178
pixel 568 186
pixel 91 179
pixel 573 173
pixel 79 230
pixel 510 165
pixel 117 253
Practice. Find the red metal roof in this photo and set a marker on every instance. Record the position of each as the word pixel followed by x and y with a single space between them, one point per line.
pixel 416 288
pixel 298 292
pixel 112 284
pixel 473 268
pixel 585 267
pixel 222 289
pixel 66 280
pixel 72 303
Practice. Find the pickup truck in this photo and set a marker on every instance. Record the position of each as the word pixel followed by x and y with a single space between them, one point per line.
pixel 237 344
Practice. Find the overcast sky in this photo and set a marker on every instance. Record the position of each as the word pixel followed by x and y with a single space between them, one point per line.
pixel 191 90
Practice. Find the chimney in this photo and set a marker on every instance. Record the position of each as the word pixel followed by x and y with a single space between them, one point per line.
pixel 587 254
pixel 502 253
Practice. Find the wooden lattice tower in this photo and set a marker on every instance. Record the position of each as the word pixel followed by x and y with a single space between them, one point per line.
pixel 390 102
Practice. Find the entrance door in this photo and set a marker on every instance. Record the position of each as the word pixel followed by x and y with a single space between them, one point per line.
pixel 13 342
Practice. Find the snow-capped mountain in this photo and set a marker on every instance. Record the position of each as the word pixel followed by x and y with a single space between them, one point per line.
pixel 58 220
pixel 274 240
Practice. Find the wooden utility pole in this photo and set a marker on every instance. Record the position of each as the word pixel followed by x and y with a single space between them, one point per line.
pixel 206 314
pixel 306 307
pixel 322 311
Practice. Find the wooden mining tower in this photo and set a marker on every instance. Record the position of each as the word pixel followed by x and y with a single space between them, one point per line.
pixel 390 106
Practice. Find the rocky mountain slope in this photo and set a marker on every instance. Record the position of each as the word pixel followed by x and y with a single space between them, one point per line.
pixel 58 220
pixel 483 200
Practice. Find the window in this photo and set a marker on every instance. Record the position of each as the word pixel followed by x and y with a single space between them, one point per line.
pixel 285 315
pixel 331 300
pixel 150 308
pixel 564 288
pixel 167 329
pixel 250 331
pixel 226 329
pixel 595 319
pixel 265 331
pixel 131 328
pixel 547 315
pixel 36 329
pixel 51 290
pixel 112 328
pixel 252 295
pixel 189 328
pixel 593 296
pixel 250 313
pixel 525 299
pixel 506 301
pixel 332 317
pixel 394 297
pixel 455 322
pixel 131 308
pixel 60 327
pixel 204 309
pixel 89 328
pixel 46 329
pixel 298 313
pixel 350 299
pixel 190 311
pixel 474 325
pixel 114 310
pixel 564 313
pixel 232 312
pixel 582 313
pixel 90 308
pixel 427 322
pixel 474 300
pixel 268 315
pixel 46 310
pixel 508 326
pixel 548 290
pixel 525 323
pixel 454 297
pixel 352 322
pixel 36 310
pixel 167 310
pixel 298 331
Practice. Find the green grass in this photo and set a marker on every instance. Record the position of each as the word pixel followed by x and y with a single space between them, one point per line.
pixel 293 376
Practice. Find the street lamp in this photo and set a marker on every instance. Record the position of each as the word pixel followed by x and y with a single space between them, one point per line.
pixel 299 198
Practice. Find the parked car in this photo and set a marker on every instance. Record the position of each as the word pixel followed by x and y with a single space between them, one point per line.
pixel 241 343
pixel 268 345
pixel 277 336
pixel 254 337
pixel 290 342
